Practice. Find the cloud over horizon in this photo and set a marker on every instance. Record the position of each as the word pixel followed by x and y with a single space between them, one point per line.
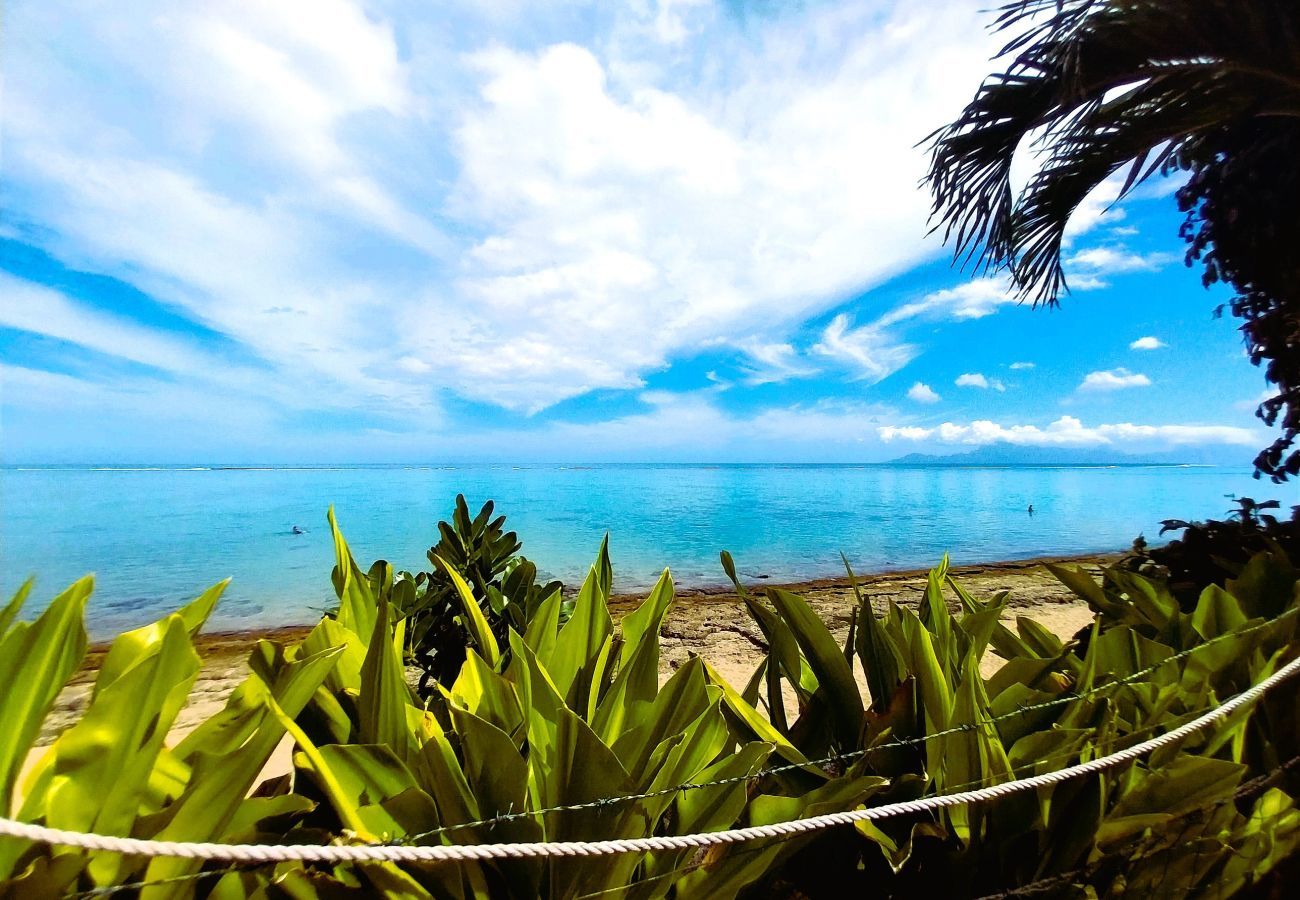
pixel 338 219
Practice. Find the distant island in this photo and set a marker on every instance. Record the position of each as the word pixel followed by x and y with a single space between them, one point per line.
pixel 1011 455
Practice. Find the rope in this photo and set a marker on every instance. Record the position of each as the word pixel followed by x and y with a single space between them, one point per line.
pixel 257 853
pixel 848 755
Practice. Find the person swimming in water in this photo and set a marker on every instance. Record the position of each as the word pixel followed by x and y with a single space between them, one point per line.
pixel 297 530
pixel 1031 509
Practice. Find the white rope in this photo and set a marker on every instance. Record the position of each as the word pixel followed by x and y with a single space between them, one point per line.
pixel 260 853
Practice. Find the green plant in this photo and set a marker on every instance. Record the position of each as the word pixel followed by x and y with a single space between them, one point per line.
pixel 112 772
pixel 564 732
pixel 1211 552
pixel 934 724
pixel 504 584
pixel 573 715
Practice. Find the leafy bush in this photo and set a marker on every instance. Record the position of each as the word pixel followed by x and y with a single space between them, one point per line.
pixel 503 583
pixel 563 732
pixel 926 729
pixel 575 716
pixel 112 773
pixel 1213 551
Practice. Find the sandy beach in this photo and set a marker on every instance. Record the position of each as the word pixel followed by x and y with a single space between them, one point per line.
pixel 708 622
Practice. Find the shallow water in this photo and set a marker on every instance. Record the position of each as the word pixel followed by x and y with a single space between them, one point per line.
pixel 155 537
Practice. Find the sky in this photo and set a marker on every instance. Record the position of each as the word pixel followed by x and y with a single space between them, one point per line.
pixel 339 231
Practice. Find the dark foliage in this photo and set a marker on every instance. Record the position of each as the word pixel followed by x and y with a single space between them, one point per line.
pixel 1214 551
pixel 1243 225
pixel 1103 87
pixel 504 583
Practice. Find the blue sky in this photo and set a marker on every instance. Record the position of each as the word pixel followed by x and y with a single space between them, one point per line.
pixel 396 232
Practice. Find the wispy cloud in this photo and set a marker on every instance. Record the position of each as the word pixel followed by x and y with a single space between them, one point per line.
pixel 1021 365
pixel 1147 343
pixel 870 350
pixel 542 209
pixel 772 363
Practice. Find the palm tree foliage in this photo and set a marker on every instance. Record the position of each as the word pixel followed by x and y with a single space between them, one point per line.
pixel 1102 89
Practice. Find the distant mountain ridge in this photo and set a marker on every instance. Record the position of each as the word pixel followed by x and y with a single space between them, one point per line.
pixel 1012 455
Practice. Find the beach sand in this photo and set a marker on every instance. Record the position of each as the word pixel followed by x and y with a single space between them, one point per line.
pixel 709 622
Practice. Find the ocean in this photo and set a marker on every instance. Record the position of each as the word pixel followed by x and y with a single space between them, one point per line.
pixel 156 536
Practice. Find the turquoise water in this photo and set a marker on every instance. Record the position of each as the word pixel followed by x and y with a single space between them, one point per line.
pixel 156 537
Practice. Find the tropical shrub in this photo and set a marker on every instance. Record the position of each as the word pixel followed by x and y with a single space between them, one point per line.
pixel 564 732
pixel 504 584
pixel 112 772
pixel 1211 552
pixel 933 725
pixel 575 716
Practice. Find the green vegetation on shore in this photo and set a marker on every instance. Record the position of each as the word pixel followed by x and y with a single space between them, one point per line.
pixel 557 728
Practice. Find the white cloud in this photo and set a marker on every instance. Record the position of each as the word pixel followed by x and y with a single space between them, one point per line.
pixel 1113 379
pixel 773 362
pixel 382 204
pixel 870 349
pixel 978 380
pixel 1022 365
pixel 1147 343
pixel 972 299
pixel 1088 269
pixel 877 349
pixel 1069 431
pixel 922 393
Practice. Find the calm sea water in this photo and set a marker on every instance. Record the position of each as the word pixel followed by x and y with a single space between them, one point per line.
pixel 156 537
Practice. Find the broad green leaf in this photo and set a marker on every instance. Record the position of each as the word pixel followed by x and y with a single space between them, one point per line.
pixel 1039 639
pixel 880 659
pixel 833 673
pixel 10 613
pixel 378 787
pixel 703 810
pixel 783 651
pixel 229 752
pixel 748 725
pixel 385 695
pixel 936 618
pixel 577 649
pixel 544 628
pixel 1184 784
pixel 738 867
pixel 1217 612
pixel 442 776
pixel 577 769
pixel 129 648
pixel 1083 585
pixel 346 674
pixel 102 765
pixel 975 757
pixel 483 692
pixel 357 607
pixel 933 687
pixel 36 661
pixel 682 699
